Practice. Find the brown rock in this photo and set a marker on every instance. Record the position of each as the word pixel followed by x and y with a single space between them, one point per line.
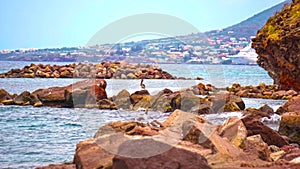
pixel 234 130
pixel 90 155
pixel 256 146
pixel 255 127
pixel 4 95
pixel 293 105
pixel 122 100
pixel 151 154
pixel 138 95
pixel 23 98
pixel 290 126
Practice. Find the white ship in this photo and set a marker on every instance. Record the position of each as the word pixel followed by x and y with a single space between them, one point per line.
pixel 246 56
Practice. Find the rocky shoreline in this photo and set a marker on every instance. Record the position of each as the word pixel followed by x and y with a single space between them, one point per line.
pixel 105 70
pixel 188 139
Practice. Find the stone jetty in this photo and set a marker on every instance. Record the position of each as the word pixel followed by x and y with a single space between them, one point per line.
pixel 104 70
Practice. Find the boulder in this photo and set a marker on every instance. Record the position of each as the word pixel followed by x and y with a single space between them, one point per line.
pixel 151 154
pixel 138 95
pixel 290 126
pixel 4 95
pixel 255 113
pixel 122 100
pixel 162 101
pixel 81 94
pixel 234 130
pixel 23 99
pixel 90 155
pixel 225 102
pixel 267 109
pixel 256 146
pixel 293 105
pixel 255 127
pixel 106 104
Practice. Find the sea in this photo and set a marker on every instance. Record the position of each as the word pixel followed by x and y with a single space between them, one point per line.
pixel 32 137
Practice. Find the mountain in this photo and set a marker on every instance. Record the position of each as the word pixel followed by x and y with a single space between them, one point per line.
pixel 250 26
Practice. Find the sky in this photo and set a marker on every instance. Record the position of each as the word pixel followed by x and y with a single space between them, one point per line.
pixel 67 23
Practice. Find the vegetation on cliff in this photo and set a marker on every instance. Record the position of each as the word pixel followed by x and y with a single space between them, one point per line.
pixel 277 45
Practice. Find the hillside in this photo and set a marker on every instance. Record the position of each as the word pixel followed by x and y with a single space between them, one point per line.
pixel 250 26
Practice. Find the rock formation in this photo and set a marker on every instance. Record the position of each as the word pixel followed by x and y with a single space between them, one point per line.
pixel 278 46
pixel 185 140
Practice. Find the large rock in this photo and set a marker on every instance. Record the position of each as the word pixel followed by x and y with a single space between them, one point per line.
pixel 138 95
pixel 23 99
pixel 90 155
pixel 122 100
pixel 234 130
pixel 290 126
pixel 278 44
pixel 81 94
pixel 4 95
pixel 293 105
pixel 225 102
pixel 151 154
pixel 255 127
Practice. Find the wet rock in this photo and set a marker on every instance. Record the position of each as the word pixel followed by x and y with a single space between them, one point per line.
pixel 293 105
pixel 255 113
pixel 255 127
pixel 267 109
pixel 290 126
pixel 136 155
pixel 90 155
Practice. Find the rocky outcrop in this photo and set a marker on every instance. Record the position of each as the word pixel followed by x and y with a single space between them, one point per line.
pixel 88 93
pixel 105 70
pixel 278 44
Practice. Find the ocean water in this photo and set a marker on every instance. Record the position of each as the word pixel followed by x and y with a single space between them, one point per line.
pixel 31 137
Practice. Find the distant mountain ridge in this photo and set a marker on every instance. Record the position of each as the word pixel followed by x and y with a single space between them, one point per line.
pixel 250 26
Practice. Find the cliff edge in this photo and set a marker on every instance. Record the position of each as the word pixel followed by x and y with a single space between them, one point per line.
pixel 277 44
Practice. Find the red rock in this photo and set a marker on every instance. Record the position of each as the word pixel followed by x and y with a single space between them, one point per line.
pixel 151 154
pixel 90 155
pixel 271 137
